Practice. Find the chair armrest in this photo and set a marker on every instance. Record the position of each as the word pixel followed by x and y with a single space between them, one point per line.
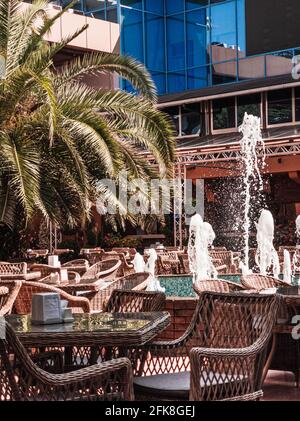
pixel 114 376
pixel 225 374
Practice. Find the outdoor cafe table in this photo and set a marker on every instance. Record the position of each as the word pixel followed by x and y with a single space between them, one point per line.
pixel 92 329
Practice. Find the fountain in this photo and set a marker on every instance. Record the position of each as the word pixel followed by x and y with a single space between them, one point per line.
pixel 200 239
pixel 287 267
pixel 252 139
pixel 138 263
pixel 154 284
pixel 296 266
pixel 266 255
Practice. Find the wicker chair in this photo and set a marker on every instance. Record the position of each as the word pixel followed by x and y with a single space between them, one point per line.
pixel 12 269
pixel 126 301
pixel 259 282
pixel 47 270
pixel 168 264
pixel 107 269
pixel 98 299
pixel 33 254
pixel 10 291
pixel 184 263
pixel 23 300
pixel 79 265
pixel 217 285
pixel 24 379
pixel 226 258
pixel 233 331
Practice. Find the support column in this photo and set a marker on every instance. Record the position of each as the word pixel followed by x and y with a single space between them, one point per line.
pixel 179 208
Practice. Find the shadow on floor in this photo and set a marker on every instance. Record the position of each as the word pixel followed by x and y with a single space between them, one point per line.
pixel 280 386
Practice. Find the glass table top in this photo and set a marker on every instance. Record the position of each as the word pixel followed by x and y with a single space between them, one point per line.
pixel 88 323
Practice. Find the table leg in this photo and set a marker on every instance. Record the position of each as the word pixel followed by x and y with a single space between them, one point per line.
pixel 270 357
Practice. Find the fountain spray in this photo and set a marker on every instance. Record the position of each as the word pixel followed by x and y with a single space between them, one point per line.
pixel 252 139
pixel 201 238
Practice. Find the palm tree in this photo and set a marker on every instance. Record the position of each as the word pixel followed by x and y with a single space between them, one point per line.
pixel 58 136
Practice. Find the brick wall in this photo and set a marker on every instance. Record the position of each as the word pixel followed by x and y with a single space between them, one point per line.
pixel 181 311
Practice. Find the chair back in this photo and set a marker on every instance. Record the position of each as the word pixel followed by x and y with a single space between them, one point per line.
pixel 12 268
pixel 102 270
pixel 258 282
pixel 127 301
pixel 216 285
pixel 8 294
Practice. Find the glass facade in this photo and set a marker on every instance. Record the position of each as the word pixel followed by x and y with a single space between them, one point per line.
pixel 193 44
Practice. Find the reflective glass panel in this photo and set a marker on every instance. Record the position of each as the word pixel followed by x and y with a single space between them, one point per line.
pixel 136 4
pixel 154 34
pixel 174 6
pixel 190 119
pixel 297 103
pixel 176 82
pixel 175 43
pixel 132 33
pixel 280 106
pixel 199 77
pixel 173 112
pixel 224 113
pixel 223 29
pixel 194 4
pixel 250 104
pixel 156 6
pixel 196 33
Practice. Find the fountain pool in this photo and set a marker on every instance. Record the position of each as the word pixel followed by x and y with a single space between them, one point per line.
pixel 181 286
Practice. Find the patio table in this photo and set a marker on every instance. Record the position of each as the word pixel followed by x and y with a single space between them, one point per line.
pixel 92 329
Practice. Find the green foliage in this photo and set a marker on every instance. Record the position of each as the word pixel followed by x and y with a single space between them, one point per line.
pixel 58 136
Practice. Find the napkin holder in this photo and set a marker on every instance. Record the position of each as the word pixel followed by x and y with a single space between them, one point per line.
pixel 53 261
pixel 46 309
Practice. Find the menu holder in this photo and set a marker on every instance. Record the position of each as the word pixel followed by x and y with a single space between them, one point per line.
pixel 46 308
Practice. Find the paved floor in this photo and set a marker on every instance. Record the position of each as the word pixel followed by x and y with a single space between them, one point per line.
pixel 280 386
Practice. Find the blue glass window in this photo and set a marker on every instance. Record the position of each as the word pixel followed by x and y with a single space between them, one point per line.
pixel 132 33
pixel 155 51
pixel 196 33
pixel 175 42
pixel 176 82
pixel 156 6
pixel 160 82
pixel 224 113
pixel 280 106
pixel 195 4
pixel 135 4
pixel 223 31
pixel 174 6
pixel 241 22
pixel 199 77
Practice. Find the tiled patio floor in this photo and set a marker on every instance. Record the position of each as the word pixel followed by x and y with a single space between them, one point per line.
pixel 280 386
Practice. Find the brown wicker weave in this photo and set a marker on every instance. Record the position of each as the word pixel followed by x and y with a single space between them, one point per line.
pixel 107 269
pixel 99 296
pixel 216 285
pixel 260 282
pixel 226 258
pixel 7 298
pixel 125 301
pixel 22 380
pixel 13 268
pixel 168 264
pixel 79 265
pixel 233 331
pixel 23 300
